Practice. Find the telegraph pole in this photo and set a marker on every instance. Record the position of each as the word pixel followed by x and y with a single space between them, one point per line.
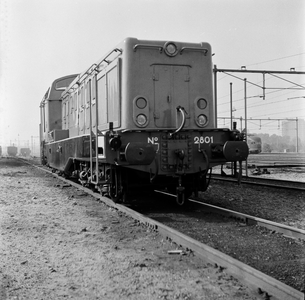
pixel 297 133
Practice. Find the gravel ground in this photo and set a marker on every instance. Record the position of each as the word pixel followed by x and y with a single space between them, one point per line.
pixel 269 252
pixel 278 205
pixel 293 174
pixel 59 243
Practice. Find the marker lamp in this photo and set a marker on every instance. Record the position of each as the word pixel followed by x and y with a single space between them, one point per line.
pixel 170 49
pixel 141 120
pixel 202 120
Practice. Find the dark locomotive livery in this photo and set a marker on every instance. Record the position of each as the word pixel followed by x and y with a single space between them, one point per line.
pixel 141 117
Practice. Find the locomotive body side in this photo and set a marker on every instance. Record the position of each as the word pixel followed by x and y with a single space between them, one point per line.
pixel 146 109
pixel 25 152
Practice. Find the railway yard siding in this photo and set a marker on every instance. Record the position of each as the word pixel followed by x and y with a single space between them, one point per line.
pixel 59 243
pixel 265 250
pixel 277 205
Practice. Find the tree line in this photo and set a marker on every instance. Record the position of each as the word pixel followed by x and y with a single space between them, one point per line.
pixel 277 143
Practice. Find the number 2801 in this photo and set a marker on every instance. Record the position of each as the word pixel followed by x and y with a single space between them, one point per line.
pixel 203 139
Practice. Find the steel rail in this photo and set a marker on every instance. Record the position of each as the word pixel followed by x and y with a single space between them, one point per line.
pixel 275 165
pixel 251 277
pixel 287 231
pixel 263 183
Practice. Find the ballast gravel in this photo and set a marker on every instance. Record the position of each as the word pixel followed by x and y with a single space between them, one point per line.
pixel 57 242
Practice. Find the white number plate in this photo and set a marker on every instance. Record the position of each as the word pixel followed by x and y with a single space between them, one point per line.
pixel 203 139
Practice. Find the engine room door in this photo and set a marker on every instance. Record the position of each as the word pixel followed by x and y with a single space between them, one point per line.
pixel 171 89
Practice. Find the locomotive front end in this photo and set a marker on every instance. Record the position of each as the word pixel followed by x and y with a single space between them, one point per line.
pixel 168 116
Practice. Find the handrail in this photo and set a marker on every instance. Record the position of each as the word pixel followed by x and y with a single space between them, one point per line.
pixel 107 61
pixel 97 69
pixel 204 50
pixel 93 67
pixel 147 46
pixel 86 73
pixel 183 112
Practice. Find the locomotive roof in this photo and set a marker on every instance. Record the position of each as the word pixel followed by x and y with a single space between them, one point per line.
pixel 118 48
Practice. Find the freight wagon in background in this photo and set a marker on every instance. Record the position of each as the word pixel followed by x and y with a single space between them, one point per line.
pixel 12 150
pixel 140 118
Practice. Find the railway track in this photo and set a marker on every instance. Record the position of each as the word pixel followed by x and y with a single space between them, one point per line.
pixel 259 282
pixel 287 231
pixel 266 182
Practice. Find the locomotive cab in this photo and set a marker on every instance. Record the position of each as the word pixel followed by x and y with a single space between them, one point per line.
pixel 50 127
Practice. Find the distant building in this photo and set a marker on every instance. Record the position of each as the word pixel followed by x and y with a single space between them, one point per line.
pixel 294 128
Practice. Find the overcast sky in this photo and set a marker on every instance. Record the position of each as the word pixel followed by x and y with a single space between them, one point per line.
pixel 42 40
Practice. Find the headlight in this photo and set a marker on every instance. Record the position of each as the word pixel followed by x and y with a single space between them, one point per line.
pixel 141 103
pixel 170 49
pixel 141 120
pixel 202 120
pixel 202 103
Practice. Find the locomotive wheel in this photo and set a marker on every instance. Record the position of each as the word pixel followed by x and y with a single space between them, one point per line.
pixel 115 199
pixel 200 184
pixel 116 189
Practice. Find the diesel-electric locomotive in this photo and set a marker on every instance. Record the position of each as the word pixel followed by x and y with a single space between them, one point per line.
pixel 142 117
pixel 254 144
